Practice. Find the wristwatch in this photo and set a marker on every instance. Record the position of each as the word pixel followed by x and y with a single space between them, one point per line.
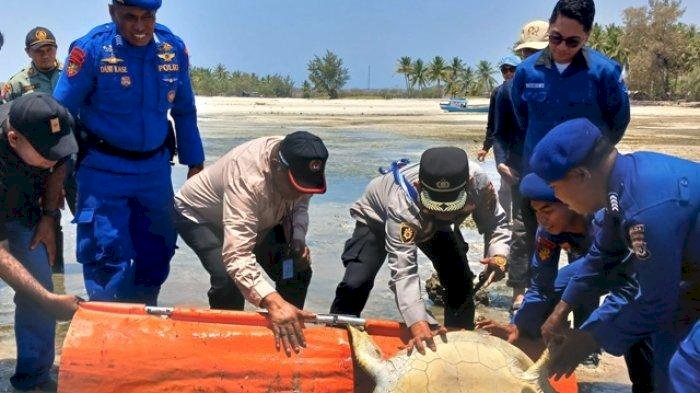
pixel 55 214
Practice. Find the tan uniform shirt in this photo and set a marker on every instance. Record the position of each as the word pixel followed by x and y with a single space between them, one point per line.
pixel 385 205
pixel 238 194
pixel 31 80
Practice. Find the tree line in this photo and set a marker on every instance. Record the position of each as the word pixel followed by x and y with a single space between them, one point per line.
pixel 660 57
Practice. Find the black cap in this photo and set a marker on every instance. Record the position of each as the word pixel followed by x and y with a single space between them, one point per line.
pixel 305 155
pixel 443 176
pixel 39 36
pixel 46 124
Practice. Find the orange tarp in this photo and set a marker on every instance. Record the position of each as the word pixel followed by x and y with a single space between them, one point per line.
pixel 114 347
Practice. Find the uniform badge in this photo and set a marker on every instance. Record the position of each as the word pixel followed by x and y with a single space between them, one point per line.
pixel 166 47
pixel 112 60
pixel 171 96
pixel 315 165
pixel 442 184
pixel 6 90
pixel 40 35
pixel 639 245
pixel 544 248
pixel 55 125
pixel 167 56
pixel 76 58
pixel 408 234
pixel 126 80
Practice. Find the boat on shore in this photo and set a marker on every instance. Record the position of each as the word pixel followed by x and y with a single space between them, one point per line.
pixel 461 105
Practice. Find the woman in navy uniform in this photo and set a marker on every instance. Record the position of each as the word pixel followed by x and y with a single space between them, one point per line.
pixel 121 80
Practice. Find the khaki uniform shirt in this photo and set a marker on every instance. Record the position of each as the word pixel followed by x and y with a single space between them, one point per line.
pixel 237 194
pixel 30 80
pixel 386 205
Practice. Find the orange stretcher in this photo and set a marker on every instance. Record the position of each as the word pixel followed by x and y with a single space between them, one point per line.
pixel 117 347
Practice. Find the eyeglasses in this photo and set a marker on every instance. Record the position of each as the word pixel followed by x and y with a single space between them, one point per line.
pixel 571 42
pixel 506 69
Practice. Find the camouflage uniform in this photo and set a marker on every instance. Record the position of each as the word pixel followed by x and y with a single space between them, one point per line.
pixel 31 80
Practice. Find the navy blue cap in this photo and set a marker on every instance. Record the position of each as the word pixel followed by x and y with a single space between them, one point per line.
pixel 565 147
pixel 145 4
pixel 535 188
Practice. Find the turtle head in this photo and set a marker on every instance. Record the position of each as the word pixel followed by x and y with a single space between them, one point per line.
pixel 367 353
pixel 538 374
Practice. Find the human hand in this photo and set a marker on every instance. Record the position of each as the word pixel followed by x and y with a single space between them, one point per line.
pixel 62 307
pixel 508 332
pixel 569 351
pixel 193 170
pixel 510 175
pixel 302 253
pixel 46 233
pixel 555 327
pixel 497 264
pixel 481 155
pixel 286 322
pixel 422 334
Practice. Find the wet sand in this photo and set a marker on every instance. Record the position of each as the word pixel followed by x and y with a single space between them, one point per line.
pixel 362 135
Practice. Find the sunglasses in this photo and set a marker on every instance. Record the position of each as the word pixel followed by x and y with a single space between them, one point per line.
pixel 505 69
pixel 571 42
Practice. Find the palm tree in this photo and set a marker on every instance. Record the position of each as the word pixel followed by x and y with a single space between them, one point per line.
pixel 405 67
pixel 452 83
pixel 419 74
pixel 484 76
pixel 466 81
pixel 436 72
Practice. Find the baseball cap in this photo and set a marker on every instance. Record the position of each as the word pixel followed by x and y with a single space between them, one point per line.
pixel 46 124
pixel 152 5
pixel 39 36
pixel 305 155
pixel 443 176
pixel 511 60
pixel 534 35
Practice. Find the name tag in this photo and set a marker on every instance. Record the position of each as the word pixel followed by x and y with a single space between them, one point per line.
pixel 287 269
pixel 534 85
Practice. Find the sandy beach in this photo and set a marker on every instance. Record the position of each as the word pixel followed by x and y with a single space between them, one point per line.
pixel 362 134
pixel 671 129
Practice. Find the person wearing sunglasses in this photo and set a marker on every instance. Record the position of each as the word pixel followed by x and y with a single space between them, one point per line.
pixel 507 65
pixel 567 80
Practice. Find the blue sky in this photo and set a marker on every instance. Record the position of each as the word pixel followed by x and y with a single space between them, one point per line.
pixel 280 36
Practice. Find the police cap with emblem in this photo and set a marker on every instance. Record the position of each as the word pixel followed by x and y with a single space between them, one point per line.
pixel 46 124
pixel 565 147
pixel 535 188
pixel 305 155
pixel 443 177
pixel 152 5
pixel 38 37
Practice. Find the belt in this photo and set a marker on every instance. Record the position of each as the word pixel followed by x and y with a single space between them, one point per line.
pixel 105 147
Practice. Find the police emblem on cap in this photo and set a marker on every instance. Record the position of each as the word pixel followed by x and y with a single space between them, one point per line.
pixel 126 80
pixel 171 96
pixel 315 165
pixel 442 184
pixel 55 125
pixel 40 35
pixel 408 234
pixel 639 245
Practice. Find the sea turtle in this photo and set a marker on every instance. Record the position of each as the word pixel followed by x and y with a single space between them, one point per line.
pixel 468 362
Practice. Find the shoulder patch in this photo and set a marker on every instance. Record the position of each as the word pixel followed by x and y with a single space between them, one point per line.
pixel 638 243
pixel 76 58
pixel 408 233
pixel 544 248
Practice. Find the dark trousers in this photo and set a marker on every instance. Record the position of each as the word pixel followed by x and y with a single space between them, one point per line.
pixel 364 255
pixel 207 241
pixel 640 366
pixel 522 240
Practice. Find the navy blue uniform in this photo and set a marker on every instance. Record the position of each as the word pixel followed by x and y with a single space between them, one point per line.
pixel 122 95
pixel 685 364
pixel 659 203
pixel 590 87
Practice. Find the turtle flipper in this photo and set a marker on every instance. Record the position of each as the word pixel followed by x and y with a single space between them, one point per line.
pixel 367 353
pixel 538 374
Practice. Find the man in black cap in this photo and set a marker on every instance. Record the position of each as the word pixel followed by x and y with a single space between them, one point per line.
pixel 36 138
pixel 245 217
pixel 422 206
pixel 41 76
